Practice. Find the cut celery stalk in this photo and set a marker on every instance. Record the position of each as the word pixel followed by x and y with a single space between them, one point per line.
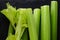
pixel 45 23
pixel 24 34
pixel 54 13
pixel 37 19
pixel 21 24
pixel 31 25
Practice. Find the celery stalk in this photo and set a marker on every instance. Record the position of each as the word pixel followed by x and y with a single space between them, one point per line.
pixel 45 23
pixel 10 13
pixel 21 24
pixel 25 35
pixel 10 29
pixel 54 15
pixel 31 25
pixel 37 19
pixel 5 12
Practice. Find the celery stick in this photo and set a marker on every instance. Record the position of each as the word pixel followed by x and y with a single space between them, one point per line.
pixel 6 13
pixel 31 25
pixel 45 23
pixel 11 13
pixel 10 29
pixel 21 24
pixel 22 31
pixel 54 15
pixel 37 19
pixel 25 35
pixel 17 15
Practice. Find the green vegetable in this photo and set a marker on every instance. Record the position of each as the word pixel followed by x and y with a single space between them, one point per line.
pixel 31 25
pixel 24 20
pixel 10 13
pixel 6 13
pixel 37 19
pixel 21 25
pixel 25 35
pixel 54 15
pixel 10 31
pixel 11 37
pixel 45 23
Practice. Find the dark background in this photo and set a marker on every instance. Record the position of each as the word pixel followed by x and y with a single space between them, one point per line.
pixel 4 22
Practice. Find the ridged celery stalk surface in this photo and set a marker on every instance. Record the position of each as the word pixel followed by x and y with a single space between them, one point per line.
pixel 31 25
pixel 54 13
pixel 37 19
pixel 25 32
pixel 21 25
pixel 45 23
